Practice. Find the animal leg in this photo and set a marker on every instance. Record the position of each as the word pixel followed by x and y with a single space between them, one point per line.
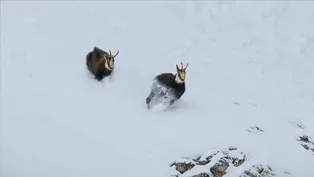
pixel 149 98
pixel 98 77
pixel 171 102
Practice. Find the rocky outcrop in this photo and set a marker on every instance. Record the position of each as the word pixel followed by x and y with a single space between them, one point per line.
pixel 259 171
pixel 183 167
pixel 218 163
pixel 220 168
pixel 213 163
pixel 306 142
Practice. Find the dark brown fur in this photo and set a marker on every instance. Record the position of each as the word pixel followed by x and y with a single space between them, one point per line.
pixel 95 61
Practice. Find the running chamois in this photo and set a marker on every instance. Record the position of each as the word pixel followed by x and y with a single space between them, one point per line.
pixel 100 63
pixel 168 86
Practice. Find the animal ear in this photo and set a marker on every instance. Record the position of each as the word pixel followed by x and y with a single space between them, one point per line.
pixel 96 50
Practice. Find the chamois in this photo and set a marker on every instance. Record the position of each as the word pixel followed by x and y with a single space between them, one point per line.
pixel 168 85
pixel 100 63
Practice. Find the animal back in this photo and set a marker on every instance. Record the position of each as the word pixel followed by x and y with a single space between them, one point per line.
pixel 166 79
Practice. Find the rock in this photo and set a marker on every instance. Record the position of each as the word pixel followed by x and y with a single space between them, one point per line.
pixel 305 146
pixel 259 171
pixel 183 167
pixel 203 162
pixel 201 175
pixel 299 125
pixel 219 169
pixel 237 162
pixel 232 148
pixel 205 159
pixel 255 129
pixel 304 138
pixel 306 142
pixel 215 161
pixel 236 157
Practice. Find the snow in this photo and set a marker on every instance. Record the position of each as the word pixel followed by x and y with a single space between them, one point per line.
pixel 250 64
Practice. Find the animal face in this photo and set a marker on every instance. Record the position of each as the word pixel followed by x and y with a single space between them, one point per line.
pixel 181 73
pixel 110 59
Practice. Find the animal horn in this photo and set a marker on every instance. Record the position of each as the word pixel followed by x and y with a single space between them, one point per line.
pixel 116 54
pixel 181 65
pixel 110 52
pixel 177 67
pixel 187 64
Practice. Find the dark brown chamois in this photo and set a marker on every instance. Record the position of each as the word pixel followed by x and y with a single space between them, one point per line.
pixel 100 63
pixel 168 83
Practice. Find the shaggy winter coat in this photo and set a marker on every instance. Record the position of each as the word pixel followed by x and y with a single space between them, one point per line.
pixel 95 61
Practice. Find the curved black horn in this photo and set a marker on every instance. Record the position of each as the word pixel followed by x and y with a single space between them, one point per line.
pixel 110 52
pixel 187 64
pixel 116 54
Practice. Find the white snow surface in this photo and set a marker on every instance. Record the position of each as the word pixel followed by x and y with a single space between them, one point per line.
pixel 250 64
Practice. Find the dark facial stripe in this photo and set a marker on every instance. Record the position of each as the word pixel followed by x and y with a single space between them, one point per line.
pixel 180 77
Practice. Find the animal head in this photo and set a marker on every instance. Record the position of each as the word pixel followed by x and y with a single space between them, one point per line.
pixel 110 59
pixel 181 73
pixel 107 59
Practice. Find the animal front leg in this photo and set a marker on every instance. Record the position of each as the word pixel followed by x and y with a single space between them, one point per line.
pixel 98 77
pixel 171 102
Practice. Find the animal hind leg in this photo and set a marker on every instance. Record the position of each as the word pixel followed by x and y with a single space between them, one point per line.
pixel 149 98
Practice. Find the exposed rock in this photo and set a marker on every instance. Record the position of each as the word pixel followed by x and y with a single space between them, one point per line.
pixel 232 148
pixel 237 162
pixel 202 161
pixel 259 171
pixel 215 161
pixel 255 129
pixel 197 158
pixel 305 146
pixel 183 167
pixel 306 142
pixel 219 169
pixel 299 125
pixel 304 138
pixel 201 175
pixel 236 157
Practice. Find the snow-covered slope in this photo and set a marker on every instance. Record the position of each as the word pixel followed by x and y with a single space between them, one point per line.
pixel 250 64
